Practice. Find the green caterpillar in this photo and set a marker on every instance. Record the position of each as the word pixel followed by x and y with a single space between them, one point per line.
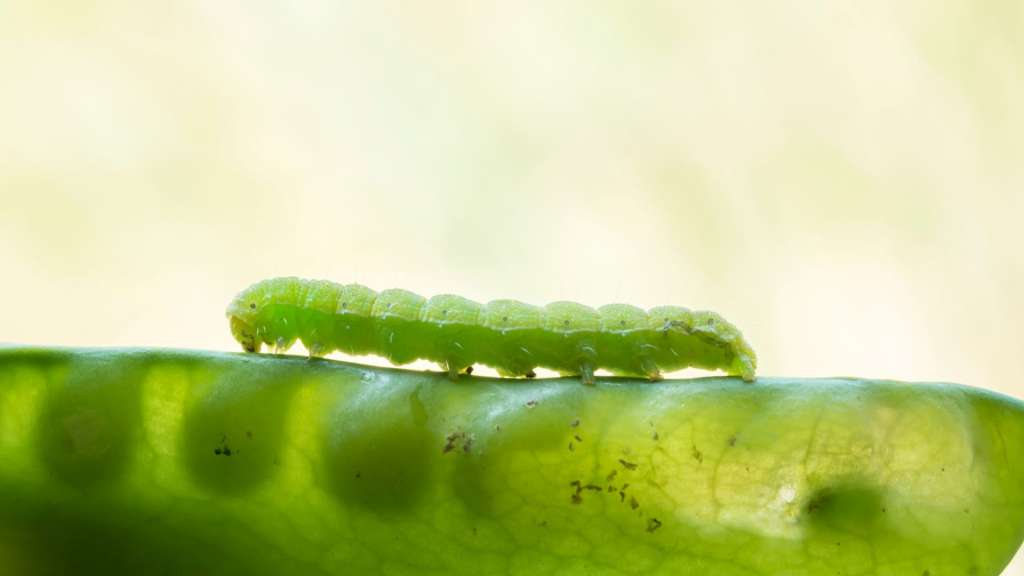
pixel 509 336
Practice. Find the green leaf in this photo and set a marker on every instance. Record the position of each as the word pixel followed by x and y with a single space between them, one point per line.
pixel 155 461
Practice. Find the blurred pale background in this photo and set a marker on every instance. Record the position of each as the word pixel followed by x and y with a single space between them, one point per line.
pixel 844 181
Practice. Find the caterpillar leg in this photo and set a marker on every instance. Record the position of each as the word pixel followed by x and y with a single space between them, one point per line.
pixel 587 373
pixel 317 350
pixel 453 370
pixel 587 359
pixel 281 345
pixel 530 374
pixel 469 370
pixel 650 369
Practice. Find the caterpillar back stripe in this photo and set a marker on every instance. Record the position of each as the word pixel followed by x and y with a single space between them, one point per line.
pixel 509 336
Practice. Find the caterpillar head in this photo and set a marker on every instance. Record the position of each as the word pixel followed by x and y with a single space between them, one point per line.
pixel 245 334
pixel 243 313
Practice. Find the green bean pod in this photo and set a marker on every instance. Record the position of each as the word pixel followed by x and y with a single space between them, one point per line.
pixel 178 462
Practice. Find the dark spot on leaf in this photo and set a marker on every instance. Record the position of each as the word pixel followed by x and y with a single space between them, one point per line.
pixel 627 465
pixel 844 506
pixel 452 439
pixel 653 524
pixel 633 504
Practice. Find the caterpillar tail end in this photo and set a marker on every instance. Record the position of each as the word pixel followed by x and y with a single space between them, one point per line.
pixel 744 365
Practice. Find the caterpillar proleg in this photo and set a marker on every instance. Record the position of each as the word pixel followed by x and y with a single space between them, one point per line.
pixel 510 336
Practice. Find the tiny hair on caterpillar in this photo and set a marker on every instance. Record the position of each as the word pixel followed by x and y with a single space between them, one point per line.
pixel 512 337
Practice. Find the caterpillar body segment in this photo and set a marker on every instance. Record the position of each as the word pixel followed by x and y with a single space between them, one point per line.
pixel 510 336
